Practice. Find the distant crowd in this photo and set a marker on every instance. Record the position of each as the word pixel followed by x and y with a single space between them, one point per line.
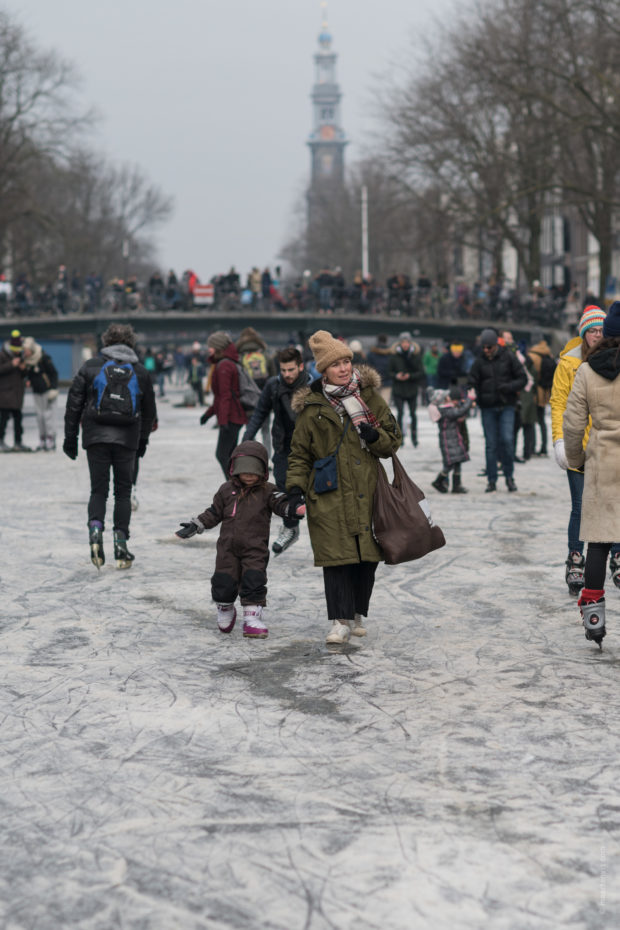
pixel 325 291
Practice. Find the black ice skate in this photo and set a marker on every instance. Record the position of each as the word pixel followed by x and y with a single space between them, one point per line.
pixel 122 555
pixel 95 538
pixel 575 565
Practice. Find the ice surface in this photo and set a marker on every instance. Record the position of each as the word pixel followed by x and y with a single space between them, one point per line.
pixel 457 768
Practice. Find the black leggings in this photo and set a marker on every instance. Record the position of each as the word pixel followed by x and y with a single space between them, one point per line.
pixel 348 589
pixel 226 443
pixel 596 565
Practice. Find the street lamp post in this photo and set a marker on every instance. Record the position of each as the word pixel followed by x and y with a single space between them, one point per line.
pixel 365 268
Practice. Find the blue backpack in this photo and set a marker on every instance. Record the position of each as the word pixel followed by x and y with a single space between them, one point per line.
pixel 116 394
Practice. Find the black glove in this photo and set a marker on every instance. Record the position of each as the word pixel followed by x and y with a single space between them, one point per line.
pixel 204 418
pixel 70 448
pixel 367 432
pixel 290 513
pixel 141 449
pixel 190 528
pixel 295 498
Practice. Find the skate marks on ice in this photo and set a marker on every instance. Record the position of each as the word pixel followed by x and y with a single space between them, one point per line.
pixel 457 768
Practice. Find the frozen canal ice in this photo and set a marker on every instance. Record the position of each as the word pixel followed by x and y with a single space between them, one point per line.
pixel 458 768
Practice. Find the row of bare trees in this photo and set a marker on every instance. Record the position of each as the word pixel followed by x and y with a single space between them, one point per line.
pixel 512 111
pixel 60 203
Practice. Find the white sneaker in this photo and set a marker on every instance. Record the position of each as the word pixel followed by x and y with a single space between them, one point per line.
pixel 288 535
pixel 339 632
pixel 358 628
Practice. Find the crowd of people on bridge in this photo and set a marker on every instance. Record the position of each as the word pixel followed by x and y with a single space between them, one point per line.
pixel 326 290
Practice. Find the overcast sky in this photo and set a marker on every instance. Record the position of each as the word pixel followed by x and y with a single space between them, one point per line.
pixel 211 99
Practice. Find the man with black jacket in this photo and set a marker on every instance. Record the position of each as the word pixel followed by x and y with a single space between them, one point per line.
pixel 276 397
pixel 407 373
pixel 112 397
pixel 497 376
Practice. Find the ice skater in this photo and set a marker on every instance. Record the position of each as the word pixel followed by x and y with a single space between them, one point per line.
pixel 448 409
pixel 595 398
pixel 111 400
pixel 243 505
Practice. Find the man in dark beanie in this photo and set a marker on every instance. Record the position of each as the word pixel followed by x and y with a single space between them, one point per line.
pixel 226 404
pixel 497 376
pixel 112 399
pixel 12 384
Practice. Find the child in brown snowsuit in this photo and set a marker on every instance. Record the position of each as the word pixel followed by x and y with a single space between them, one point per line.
pixel 243 505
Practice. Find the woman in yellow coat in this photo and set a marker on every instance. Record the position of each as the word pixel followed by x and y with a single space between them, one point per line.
pixel 575 351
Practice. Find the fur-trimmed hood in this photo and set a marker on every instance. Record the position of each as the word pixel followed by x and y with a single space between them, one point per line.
pixel 36 349
pixel 369 378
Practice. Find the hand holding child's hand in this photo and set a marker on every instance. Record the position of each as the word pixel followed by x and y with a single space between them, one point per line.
pixel 301 511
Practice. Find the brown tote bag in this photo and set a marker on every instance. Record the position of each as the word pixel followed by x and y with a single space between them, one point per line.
pixel 402 522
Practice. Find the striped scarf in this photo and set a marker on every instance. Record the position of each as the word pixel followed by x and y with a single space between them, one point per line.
pixel 346 399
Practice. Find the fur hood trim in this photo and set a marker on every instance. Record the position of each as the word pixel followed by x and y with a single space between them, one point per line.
pixel 368 376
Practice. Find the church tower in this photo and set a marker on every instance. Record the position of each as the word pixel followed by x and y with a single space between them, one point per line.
pixel 327 140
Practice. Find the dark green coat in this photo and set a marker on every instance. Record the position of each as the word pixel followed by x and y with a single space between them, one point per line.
pixel 338 518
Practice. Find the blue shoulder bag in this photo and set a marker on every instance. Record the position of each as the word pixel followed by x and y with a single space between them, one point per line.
pixel 326 470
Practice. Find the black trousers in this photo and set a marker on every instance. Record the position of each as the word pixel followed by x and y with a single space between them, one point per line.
pixel 596 565
pixel 227 440
pixel 540 416
pixel 18 430
pixel 348 589
pixel 411 402
pixel 102 457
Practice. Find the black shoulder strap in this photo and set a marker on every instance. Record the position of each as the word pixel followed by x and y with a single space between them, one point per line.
pixel 342 437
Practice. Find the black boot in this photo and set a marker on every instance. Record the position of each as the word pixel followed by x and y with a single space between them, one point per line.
pixel 441 483
pixel 457 487
pixel 95 539
pixel 123 556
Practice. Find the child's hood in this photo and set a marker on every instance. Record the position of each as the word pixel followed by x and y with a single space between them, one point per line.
pixel 251 447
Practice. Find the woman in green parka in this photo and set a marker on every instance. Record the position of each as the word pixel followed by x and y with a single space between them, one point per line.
pixel 343 404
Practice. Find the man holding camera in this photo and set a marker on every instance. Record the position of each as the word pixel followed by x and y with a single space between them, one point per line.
pixel 12 386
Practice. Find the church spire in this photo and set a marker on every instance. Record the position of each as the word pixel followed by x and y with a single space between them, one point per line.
pixel 325 39
pixel 327 140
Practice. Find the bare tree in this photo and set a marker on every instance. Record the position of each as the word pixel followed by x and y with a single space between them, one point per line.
pixel 38 114
pixel 85 211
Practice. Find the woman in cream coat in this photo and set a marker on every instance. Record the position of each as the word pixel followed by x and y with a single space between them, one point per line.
pixel 596 394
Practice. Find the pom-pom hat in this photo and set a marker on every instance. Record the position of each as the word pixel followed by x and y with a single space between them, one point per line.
pixel 591 316
pixel 327 350
pixel 16 342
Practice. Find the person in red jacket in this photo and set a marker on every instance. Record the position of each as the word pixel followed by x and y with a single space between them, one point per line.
pixel 226 403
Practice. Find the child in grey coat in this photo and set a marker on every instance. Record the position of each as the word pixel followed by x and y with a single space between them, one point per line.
pixel 447 409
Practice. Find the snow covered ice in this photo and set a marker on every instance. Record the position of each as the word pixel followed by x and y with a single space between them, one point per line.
pixel 457 768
